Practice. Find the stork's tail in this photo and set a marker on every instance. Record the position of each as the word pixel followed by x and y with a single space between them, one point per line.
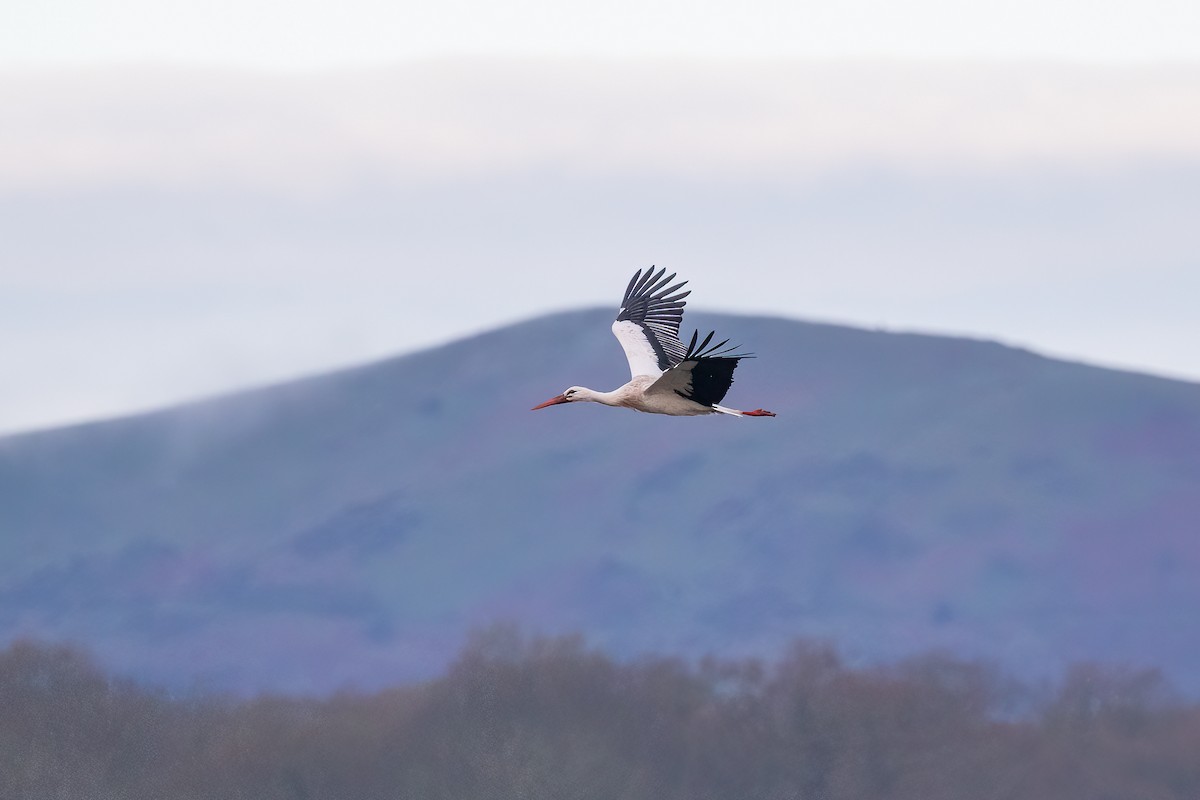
pixel 758 412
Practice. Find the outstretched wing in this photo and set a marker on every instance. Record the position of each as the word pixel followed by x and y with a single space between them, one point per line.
pixel 702 375
pixel 648 324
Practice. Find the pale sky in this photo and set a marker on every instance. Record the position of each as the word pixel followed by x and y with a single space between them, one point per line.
pixel 318 34
pixel 197 197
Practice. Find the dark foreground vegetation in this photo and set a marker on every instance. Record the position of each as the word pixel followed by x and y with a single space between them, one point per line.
pixel 519 719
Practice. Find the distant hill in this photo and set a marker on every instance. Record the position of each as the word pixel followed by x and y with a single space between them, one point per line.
pixel 914 492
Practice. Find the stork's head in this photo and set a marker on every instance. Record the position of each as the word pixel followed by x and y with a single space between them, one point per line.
pixel 569 396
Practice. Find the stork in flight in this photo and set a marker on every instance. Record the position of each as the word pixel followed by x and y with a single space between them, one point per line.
pixel 668 378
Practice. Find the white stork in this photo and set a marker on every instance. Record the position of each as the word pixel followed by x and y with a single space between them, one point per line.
pixel 668 378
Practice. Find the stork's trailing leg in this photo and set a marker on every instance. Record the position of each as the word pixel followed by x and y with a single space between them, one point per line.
pixel 733 412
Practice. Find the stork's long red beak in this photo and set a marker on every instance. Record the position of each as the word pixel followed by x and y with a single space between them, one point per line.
pixel 553 401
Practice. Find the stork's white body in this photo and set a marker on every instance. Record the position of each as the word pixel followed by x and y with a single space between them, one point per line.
pixel 667 378
pixel 640 394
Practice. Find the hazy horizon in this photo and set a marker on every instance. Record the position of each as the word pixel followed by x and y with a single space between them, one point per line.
pixel 174 232
pixel 269 382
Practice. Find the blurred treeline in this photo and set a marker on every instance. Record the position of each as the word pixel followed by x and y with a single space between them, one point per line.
pixel 550 718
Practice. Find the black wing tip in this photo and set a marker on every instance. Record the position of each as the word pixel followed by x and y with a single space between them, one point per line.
pixel 651 285
pixel 695 353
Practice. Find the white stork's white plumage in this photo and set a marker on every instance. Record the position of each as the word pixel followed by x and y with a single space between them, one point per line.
pixel 668 377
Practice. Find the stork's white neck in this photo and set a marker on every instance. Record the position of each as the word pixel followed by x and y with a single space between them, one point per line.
pixel 592 396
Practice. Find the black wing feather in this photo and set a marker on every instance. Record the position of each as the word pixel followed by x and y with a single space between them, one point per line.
pixel 658 311
pixel 711 369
